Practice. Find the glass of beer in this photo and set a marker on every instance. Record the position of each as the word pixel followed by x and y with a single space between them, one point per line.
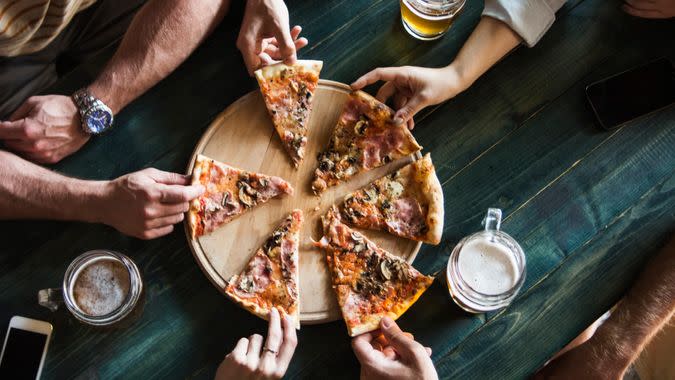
pixel 486 269
pixel 429 19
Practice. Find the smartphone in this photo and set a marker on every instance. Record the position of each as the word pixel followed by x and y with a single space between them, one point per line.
pixel 25 348
pixel 631 94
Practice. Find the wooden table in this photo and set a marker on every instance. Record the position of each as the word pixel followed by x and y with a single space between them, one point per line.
pixel 588 206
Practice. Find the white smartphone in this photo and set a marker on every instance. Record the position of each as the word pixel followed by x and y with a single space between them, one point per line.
pixel 25 348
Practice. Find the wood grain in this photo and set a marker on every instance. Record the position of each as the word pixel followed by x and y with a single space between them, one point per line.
pixel 243 136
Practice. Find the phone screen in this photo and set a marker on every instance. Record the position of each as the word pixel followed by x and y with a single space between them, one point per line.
pixel 633 93
pixel 23 353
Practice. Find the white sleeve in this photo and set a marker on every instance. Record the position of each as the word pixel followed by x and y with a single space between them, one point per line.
pixel 529 18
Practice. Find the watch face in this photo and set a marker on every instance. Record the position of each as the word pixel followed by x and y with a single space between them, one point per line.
pixel 98 120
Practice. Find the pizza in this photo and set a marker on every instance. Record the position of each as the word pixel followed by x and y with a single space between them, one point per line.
pixel 270 279
pixel 370 283
pixel 288 92
pixel 364 138
pixel 229 193
pixel 407 203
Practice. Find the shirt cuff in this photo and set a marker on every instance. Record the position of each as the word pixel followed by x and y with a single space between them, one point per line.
pixel 529 18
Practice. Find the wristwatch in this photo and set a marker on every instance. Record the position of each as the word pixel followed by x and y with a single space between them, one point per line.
pixel 95 116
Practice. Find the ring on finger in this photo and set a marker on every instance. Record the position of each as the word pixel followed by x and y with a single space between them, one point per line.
pixel 271 351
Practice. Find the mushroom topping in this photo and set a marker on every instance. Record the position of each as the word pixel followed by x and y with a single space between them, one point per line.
pixel 245 198
pixel 360 126
pixel 246 284
pixel 385 272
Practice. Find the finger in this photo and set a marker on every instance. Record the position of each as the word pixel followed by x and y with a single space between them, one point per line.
pixel 273 51
pixel 404 345
pixel 273 342
pixel 165 221
pixel 411 124
pixel 405 113
pixel 168 178
pixel 386 91
pixel 400 101
pixel 653 14
pixel 156 232
pixel 382 73
pixel 178 193
pixel 239 352
pixel 295 32
pixel 253 351
pixel 285 44
pixel 247 43
pixel 266 60
pixel 363 349
pixel 428 350
pixel 389 353
pixel 12 129
pixel 289 343
pixel 172 208
pixel 24 110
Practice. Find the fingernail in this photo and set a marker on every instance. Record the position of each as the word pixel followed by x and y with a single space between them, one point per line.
pixel 386 322
pixel 398 120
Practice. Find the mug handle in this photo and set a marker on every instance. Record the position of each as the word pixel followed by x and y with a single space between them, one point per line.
pixel 50 298
pixel 493 220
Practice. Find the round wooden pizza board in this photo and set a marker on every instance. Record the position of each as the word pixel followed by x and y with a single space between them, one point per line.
pixel 243 136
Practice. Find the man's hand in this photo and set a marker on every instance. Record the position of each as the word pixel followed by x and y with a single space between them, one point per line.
pixel 249 360
pixel 265 36
pixel 650 8
pixel 146 204
pixel 44 129
pixel 395 356
pixel 413 88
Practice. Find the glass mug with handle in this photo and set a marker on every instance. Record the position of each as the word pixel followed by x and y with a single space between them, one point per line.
pixel 100 288
pixel 429 19
pixel 486 269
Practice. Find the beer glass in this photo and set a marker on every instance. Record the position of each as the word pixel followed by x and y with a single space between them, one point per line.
pixel 486 269
pixel 126 303
pixel 429 19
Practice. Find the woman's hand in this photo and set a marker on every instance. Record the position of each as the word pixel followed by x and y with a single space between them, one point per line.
pixel 250 359
pixel 413 88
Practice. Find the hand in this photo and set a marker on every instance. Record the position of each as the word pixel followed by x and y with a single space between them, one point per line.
pixel 650 8
pixel 44 129
pixel 581 362
pixel 396 356
pixel 413 88
pixel 247 361
pixel 146 204
pixel 265 36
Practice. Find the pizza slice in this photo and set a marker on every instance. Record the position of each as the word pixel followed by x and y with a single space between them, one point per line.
pixel 370 282
pixel 364 138
pixel 270 280
pixel 407 203
pixel 288 92
pixel 229 193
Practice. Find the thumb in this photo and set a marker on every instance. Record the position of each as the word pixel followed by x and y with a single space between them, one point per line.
pixel 403 344
pixel 413 106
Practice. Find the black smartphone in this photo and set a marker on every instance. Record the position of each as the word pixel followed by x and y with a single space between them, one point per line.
pixel 631 94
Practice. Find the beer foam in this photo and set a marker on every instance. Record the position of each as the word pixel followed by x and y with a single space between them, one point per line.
pixel 101 287
pixel 488 267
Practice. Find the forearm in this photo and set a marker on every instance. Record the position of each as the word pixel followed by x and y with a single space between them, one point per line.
pixel 31 191
pixel 490 41
pixel 649 304
pixel 161 36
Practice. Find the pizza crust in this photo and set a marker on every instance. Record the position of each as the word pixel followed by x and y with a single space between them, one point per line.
pixel 201 164
pixel 433 192
pixel 272 71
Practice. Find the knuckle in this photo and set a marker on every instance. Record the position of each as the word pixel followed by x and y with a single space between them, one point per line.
pixel 148 213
